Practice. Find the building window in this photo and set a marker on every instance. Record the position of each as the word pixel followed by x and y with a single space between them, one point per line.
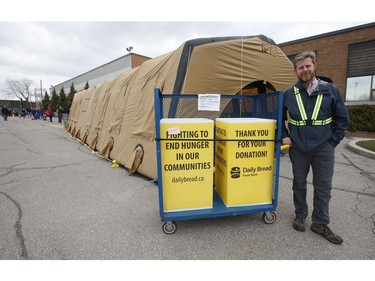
pixel 361 72
pixel 360 88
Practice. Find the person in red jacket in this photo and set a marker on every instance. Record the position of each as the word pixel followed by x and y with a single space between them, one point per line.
pixel 49 113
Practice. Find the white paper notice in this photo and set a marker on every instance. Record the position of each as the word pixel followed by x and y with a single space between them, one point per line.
pixel 210 102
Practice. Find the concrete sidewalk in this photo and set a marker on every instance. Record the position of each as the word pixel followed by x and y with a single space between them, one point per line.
pixel 58 200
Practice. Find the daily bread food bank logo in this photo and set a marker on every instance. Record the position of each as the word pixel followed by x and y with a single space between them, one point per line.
pixel 235 172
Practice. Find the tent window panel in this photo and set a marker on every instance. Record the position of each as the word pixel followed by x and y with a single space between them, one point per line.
pixel 361 60
pixel 85 104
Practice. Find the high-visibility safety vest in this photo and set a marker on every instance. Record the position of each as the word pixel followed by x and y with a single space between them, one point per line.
pixel 313 120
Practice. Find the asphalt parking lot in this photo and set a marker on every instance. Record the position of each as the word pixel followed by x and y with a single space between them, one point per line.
pixel 61 201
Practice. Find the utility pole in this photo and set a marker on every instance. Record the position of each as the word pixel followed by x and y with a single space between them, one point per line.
pixel 36 98
pixel 41 90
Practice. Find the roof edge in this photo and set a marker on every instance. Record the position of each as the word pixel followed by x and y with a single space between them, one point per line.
pixel 349 29
pixel 202 41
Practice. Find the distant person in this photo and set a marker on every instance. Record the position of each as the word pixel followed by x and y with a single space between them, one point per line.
pixel 23 113
pixel 49 113
pixel 59 114
pixel 29 113
pixel 36 115
pixel 318 120
pixel 5 112
pixel 65 116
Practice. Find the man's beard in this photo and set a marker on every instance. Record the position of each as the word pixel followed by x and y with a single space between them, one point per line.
pixel 307 77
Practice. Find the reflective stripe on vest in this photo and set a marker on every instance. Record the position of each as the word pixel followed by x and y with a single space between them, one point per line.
pixel 305 121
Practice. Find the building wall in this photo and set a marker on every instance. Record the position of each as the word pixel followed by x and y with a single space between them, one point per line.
pixel 332 51
pixel 18 105
pixel 138 60
pixel 102 73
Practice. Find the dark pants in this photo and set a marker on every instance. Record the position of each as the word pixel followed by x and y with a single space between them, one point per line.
pixel 322 164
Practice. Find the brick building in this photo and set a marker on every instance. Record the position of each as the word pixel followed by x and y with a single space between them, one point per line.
pixel 346 56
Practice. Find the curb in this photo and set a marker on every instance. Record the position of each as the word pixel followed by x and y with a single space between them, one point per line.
pixel 352 145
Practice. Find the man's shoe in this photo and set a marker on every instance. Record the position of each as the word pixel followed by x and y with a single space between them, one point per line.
pixel 299 224
pixel 327 233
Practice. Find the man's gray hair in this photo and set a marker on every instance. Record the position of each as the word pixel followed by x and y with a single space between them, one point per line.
pixel 304 55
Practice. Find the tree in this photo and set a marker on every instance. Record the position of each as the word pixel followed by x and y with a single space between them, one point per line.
pixel 54 103
pixel 87 85
pixel 19 88
pixel 45 101
pixel 71 96
pixel 63 102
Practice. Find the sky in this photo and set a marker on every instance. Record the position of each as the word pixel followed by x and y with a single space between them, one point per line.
pixel 52 47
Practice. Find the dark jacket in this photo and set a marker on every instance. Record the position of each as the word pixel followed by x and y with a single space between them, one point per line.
pixel 310 138
pixel 5 111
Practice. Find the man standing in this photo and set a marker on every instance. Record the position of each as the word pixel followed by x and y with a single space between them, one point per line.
pixel 317 124
pixel 5 111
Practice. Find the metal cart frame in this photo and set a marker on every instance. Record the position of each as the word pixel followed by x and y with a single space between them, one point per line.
pixel 219 208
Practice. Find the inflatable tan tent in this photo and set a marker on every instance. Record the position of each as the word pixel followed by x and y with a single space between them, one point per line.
pixel 117 118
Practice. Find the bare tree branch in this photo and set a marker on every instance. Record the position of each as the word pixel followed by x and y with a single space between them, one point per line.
pixel 19 88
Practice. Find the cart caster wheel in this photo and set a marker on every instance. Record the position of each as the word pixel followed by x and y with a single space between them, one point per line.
pixel 169 227
pixel 269 217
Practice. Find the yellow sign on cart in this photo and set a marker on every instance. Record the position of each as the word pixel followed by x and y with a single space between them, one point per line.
pixel 187 153
pixel 244 160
